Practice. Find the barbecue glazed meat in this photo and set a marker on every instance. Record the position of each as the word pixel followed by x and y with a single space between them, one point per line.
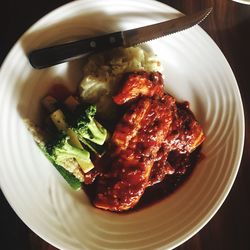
pixel 187 133
pixel 153 126
pixel 140 84
pixel 134 147
pixel 161 166
pixel 185 136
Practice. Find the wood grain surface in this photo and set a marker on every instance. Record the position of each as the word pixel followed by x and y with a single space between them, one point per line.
pixel 229 27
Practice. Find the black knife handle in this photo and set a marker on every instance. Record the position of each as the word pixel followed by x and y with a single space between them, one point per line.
pixel 46 57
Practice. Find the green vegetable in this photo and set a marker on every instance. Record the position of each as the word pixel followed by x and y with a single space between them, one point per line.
pixel 88 130
pixel 74 178
pixel 58 119
pixel 97 149
pixel 85 128
pixel 69 177
pixel 74 182
pixel 78 133
pixel 68 156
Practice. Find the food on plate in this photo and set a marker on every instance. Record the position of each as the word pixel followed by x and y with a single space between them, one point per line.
pixel 103 71
pixel 152 126
pixel 69 136
pixel 121 138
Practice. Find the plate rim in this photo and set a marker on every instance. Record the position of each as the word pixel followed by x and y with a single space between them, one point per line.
pixel 234 173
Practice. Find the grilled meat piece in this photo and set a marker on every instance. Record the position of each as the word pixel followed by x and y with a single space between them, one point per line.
pixel 185 136
pixel 161 166
pixel 187 133
pixel 153 127
pixel 134 147
pixel 140 84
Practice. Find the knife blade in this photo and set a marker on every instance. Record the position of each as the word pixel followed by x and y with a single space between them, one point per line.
pixel 49 56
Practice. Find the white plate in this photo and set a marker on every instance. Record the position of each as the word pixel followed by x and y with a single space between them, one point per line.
pixel 195 70
pixel 242 1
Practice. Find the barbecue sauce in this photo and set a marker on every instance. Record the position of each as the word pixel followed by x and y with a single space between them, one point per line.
pixel 183 164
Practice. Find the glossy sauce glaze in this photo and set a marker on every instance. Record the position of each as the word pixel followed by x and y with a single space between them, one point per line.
pixel 183 164
pixel 152 149
pixel 176 169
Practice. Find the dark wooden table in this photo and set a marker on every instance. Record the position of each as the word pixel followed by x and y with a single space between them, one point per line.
pixel 229 26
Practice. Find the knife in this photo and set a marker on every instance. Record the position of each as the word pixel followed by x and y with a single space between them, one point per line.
pixel 46 57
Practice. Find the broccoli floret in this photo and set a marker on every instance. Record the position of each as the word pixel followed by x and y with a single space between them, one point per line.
pixel 86 127
pixel 74 177
pixel 68 156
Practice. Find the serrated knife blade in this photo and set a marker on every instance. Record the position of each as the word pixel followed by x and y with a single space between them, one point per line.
pixel 49 56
